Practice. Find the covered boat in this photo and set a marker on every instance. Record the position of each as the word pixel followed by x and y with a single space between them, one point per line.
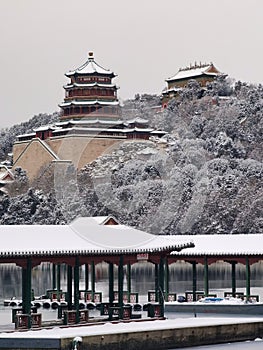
pixel 216 305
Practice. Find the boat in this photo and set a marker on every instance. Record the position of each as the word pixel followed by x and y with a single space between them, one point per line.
pixel 215 305
pixel 42 301
pixel 13 302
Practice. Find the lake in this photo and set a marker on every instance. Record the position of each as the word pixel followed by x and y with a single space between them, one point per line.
pixel 142 278
pixel 142 281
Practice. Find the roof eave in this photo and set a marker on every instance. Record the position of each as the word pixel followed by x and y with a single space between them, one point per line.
pixel 75 72
pixel 111 252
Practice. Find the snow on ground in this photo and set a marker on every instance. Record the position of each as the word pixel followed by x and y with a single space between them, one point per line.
pixel 111 328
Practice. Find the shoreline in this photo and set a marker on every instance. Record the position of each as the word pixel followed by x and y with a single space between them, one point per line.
pixel 140 335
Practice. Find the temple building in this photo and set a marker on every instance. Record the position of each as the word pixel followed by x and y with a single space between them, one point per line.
pixel 90 124
pixel 202 73
pixel 6 177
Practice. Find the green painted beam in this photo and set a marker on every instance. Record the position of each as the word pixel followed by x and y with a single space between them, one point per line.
pixel 86 276
pixel 161 285
pixel 58 281
pixel 27 289
pixel 167 279
pixel 247 277
pixel 128 275
pixel 120 285
pixel 206 277
pixel 194 280
pixel 69 287
pixel 156 281
pixel 111 283
pixel 76 288
pixel 54 276
pixel 233 276
pixel 93 277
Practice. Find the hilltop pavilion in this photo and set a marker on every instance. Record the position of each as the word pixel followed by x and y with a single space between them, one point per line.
pixel 202 73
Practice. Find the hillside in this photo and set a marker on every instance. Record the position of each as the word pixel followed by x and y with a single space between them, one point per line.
pixel 204 176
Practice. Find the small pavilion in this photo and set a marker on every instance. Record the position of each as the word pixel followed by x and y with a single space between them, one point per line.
pixel 86 241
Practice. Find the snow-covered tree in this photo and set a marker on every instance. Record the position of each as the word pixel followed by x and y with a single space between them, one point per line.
pixel 204 176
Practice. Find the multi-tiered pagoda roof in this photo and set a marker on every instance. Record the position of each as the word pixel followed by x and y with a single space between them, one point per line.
pixel 91 107
pixel 90 93
pixel 90 125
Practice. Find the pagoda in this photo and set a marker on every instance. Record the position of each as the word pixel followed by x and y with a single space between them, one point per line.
pixel 90 93
pixel 90 125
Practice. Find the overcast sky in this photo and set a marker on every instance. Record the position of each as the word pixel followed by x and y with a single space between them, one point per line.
pixel 143 41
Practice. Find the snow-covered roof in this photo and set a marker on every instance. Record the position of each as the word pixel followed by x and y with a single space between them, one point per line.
pixel 2 189
pixel 45 127
pixel 174 89
pixel 86 126
pixel 126 130
pixel 159 132
pixel 69 86
pixel 6 177
pixel 26 135
pixel 84 236
pixel 137 121
pixel 102 220
pixel 3 168
pixel 90 67
pixel 225 244
pixel 89 103
pixel 90 121
pixel 195 71
pixel 139 129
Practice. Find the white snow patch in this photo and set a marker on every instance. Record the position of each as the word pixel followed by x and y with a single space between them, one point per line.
pixel 110 328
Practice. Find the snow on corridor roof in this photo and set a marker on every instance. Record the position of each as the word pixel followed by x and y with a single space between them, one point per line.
pixel 224 244
pixel 84 236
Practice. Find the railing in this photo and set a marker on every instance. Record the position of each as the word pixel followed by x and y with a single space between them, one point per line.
pixel 167 296
pixel 128 297
pixel 70 316
pixel 26 321
pixel 154 310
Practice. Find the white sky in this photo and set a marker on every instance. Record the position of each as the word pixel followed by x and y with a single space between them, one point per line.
pixel 143 41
